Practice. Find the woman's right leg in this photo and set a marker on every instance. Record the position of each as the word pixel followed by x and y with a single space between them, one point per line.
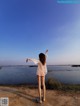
pixel 39 87
pixel 44 88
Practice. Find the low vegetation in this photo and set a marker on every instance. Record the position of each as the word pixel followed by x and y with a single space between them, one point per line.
pixel 54 84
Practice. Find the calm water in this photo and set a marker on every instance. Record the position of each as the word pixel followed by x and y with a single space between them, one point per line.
pixel 27 75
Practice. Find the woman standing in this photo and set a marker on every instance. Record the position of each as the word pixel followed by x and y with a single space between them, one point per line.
pixel 41 72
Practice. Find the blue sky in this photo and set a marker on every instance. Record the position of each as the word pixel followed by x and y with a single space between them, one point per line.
pixel 28 27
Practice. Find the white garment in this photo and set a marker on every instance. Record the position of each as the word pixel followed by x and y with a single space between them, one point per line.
pixel 42 69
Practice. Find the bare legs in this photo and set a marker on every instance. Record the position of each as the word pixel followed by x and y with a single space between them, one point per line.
pixel 39 87
pixel 43 85
pixel 41 81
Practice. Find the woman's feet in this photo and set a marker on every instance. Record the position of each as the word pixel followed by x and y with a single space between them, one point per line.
pixel 43 99
pixel 39 101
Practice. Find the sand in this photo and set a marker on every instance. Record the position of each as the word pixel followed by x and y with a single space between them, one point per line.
pixel 24 96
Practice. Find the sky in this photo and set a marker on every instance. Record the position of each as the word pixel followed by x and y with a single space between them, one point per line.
pixel 29 27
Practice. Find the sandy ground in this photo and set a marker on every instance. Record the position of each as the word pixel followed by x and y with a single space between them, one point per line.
pixel 24 96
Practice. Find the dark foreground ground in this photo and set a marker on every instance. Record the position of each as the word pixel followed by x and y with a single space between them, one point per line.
pixel 26 96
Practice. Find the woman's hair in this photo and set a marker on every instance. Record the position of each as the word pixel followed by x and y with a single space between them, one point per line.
pixel 42 58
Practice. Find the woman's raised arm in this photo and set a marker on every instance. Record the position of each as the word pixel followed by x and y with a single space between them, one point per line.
pixel 33 60
pixel 46 53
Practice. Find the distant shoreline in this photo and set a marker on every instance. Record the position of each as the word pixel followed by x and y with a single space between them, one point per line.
pixel 0 67
pixel 75 65
pixel 47 65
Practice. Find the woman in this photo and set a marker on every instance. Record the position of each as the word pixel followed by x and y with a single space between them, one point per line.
pixel 41 72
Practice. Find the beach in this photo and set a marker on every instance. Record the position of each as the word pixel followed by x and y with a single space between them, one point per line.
pixel 26 96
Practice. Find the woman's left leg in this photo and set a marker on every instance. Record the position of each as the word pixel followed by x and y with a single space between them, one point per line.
pixel 39 87
pixel 43 85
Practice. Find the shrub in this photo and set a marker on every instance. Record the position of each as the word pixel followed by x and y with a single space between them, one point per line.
pixel 53 84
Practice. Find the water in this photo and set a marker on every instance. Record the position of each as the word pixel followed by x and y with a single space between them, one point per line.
pixel 27 75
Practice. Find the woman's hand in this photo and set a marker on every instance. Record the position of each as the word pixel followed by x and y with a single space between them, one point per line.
pixel 46 51
pixel 28 59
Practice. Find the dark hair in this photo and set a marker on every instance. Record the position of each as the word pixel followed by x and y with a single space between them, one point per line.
pixel 42 58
